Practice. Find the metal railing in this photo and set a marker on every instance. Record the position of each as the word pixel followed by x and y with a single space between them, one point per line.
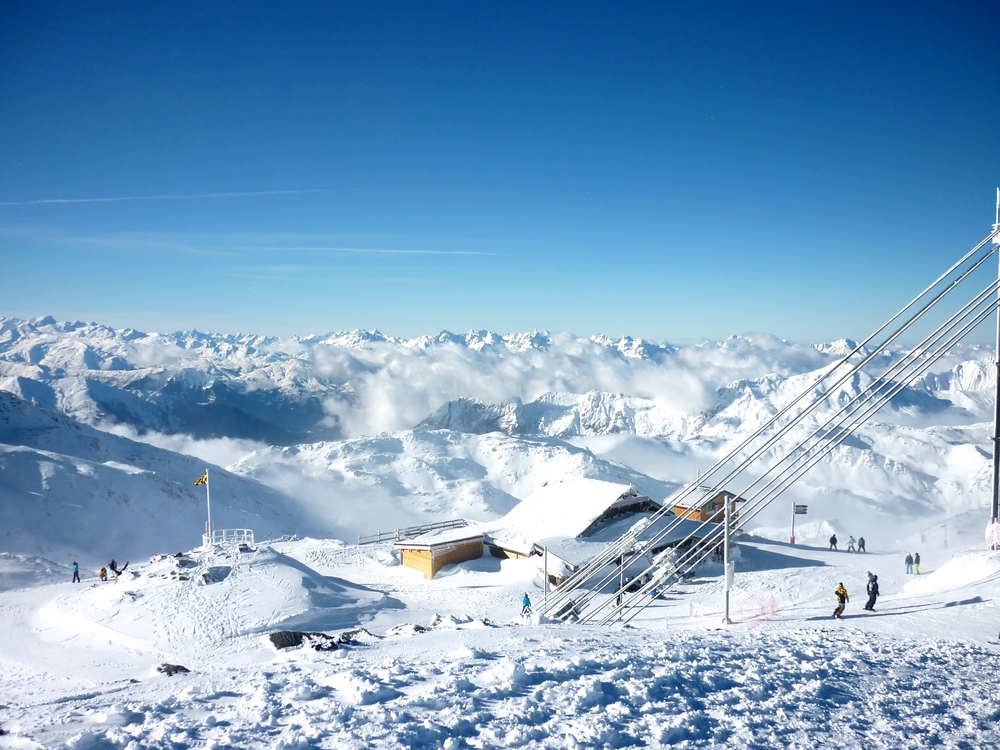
pixel 228 536
pixel 409 532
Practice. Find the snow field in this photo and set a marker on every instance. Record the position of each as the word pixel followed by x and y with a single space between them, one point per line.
pixel 556 686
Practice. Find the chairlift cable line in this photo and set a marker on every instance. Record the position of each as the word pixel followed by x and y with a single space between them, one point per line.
pixel 562 592
pixel 762 499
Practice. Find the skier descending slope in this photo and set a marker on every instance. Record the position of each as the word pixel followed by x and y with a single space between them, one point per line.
pixel 843 598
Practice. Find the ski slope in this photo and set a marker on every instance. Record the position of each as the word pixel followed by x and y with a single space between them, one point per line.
pixel 448 663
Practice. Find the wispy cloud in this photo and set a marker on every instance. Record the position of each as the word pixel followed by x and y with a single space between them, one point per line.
pixel 361 250
pixel 173 197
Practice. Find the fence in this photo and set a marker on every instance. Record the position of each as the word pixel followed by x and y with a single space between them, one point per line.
pixel 411 531
pixel 228 536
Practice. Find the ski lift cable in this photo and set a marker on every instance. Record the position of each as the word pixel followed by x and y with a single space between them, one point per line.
pixel 694 557
pixel 805 460
pixel 820 398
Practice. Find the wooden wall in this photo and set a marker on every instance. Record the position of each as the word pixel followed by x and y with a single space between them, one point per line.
pixel 430 561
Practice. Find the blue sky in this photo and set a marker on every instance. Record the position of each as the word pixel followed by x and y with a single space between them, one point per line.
pixel 645 168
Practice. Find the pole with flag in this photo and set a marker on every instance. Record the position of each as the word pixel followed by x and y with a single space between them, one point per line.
pixel 203 479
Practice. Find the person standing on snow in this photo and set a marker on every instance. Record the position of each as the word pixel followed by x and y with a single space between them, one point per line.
pixel 872 594
pixel 76 573
pixel 850 544
pixel 861 544
pixel 868 588
pixel 526 605
pixel 843 598
pixel 103 574
pixel 833 542
pixel 909 563
pixel 916 563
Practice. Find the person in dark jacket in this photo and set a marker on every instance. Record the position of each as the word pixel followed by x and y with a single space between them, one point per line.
pixel 909 563
pixel 843 598
pixel 76 573
pixel 916 563
pixel 833 542
pixel 872 594
pixel 861 544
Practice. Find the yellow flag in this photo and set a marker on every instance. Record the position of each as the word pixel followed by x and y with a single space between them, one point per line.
pixel 203 479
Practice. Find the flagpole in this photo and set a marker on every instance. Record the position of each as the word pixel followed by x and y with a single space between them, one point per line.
pixel 208 500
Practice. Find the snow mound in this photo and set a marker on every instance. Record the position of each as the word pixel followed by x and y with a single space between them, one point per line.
pixel 965 569
pixel 190 604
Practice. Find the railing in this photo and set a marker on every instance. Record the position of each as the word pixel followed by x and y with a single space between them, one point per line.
pixel 228 536
pixel 410 531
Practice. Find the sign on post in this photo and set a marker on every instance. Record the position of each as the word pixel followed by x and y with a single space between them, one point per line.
pixel 797 510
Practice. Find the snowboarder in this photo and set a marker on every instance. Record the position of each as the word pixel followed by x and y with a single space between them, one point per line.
pixel 861 544
pixel 909 563
pixel 76 573
pixel 868 588
pixel 916 563
pixel 850 544
pixel 103 574
pixel 872 594
pixel 843 598
pixel 833 542
pixel 525 605
pixel 116 570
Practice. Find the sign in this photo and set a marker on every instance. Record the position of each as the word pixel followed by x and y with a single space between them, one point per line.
pixel 801 510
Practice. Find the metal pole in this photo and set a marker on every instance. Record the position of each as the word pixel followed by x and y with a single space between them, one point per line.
pixel 621 584
pixel 208 499
pixel 545 579
pixel 725 554
pixel 791 537
pixel 995 508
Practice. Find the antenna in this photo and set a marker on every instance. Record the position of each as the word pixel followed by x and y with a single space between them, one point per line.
pixel 996 226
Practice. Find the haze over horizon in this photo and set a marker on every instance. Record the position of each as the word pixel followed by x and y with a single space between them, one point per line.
pixel 670 173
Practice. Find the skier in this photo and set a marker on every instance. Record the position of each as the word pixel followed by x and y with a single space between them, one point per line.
pixel 103 574
pixel 525 605
pixel 843 598
pixel 868 588
pixel 76 572
pixel 872 594
pixel 916 563
pixel 909 563
pixel 850 544
pixel 861 544
pixel 833 542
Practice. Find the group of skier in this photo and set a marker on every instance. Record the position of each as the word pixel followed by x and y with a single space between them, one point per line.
pixel 102 574
pixel 850 544
pixel 843 598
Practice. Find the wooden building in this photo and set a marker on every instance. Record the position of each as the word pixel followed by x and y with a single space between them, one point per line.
pixel 429 553
pixel 707 504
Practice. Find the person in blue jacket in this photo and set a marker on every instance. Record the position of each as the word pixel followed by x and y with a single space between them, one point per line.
pixel 526 605
pixel 76 573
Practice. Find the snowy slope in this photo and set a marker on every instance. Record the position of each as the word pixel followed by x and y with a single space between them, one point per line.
pixel 67 489
pixel 918 672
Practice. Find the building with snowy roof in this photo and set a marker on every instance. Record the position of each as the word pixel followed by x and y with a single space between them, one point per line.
pixel 707 504
pixel 570 521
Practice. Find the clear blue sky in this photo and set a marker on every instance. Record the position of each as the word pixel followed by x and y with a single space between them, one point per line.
pixel 669 170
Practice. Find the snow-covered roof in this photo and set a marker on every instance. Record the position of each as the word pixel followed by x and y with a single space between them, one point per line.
pixel 701 496
pixel 579 550
pixel 565 510
pixel 441 536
